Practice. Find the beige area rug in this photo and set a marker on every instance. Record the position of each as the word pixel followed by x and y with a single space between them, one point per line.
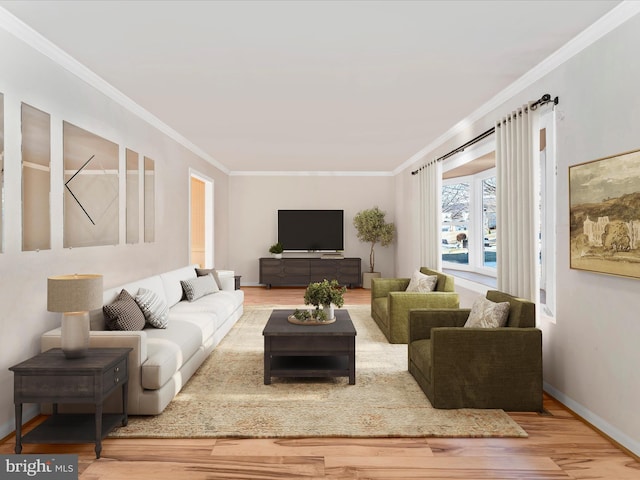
pixel 227 397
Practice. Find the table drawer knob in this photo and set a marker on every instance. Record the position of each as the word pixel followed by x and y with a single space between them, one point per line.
pixel 117 369
pixel 116 380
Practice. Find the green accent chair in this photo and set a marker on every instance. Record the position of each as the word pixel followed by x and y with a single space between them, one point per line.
pixel 390 304
pixel 460 367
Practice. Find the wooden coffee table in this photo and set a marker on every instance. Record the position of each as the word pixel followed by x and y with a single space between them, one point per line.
pixel 309 350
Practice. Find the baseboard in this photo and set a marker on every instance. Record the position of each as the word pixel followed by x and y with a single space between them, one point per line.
pixel 28 413
pixel 621 439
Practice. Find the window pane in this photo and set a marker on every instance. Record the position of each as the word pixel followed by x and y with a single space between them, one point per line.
pixel 489 222
pixel 455 222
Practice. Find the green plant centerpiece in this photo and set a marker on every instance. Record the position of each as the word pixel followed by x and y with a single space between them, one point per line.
pixel 276 249
pixel 372 228
pixel 325 294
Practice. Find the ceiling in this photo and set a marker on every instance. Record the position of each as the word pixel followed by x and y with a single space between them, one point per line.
pixel 331 86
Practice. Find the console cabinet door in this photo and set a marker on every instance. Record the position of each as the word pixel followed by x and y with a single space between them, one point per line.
pixel 349 272
pixel 321 269
pixel 286 271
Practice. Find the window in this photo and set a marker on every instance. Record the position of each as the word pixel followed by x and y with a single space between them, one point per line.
pixel 469 216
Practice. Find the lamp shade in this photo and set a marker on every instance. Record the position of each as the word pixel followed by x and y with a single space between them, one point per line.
pixel 74 293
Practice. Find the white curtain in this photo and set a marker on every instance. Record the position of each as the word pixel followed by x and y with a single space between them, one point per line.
pixel 518 211
pixel 430 178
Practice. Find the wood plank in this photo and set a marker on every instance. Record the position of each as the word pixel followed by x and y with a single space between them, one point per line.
pixel 367 447
pixel 217 468
pixel 509 467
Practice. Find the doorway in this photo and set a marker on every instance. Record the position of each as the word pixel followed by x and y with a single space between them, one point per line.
pixel 201 224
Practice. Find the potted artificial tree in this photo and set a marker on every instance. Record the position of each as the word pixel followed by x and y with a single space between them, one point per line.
pixel 276 249
pixel 372 228
pixel 328 294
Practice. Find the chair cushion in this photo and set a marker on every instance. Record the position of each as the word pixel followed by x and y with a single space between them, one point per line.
pixel 422 283
pixel 487 314
pixel 420 354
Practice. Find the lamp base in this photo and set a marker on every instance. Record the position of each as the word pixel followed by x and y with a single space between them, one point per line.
pixel 74 336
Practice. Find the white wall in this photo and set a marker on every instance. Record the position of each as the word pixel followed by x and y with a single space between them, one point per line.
pixel 255 200
pixel 27 76
pixel 591 353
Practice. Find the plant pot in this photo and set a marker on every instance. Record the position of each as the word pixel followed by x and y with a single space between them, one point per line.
pixel 366 278
pixel 330 311
pixel 277 256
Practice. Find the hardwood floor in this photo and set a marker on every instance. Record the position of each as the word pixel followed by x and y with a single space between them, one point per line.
pixel 559 446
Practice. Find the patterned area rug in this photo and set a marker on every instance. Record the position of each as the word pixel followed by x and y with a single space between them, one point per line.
pixel 227 397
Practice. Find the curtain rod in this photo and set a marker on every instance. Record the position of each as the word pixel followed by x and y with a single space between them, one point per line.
pixel 546 98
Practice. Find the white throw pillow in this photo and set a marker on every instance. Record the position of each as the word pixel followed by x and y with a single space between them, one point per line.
pixel 201 272
pixel 154 308
pixel 422 283
pixel 199 287
pixel 488 314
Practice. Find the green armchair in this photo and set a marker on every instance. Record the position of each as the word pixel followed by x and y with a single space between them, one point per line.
pixel 390 303
pixel 478 367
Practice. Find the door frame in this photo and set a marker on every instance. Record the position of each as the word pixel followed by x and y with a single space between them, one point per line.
pixel 209 246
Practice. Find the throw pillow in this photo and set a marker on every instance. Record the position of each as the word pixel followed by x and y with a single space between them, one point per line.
pixel 201 272
pixel 422 283
pixel 153 307
pixel 487 314
pixel 124 313
pixel 198 287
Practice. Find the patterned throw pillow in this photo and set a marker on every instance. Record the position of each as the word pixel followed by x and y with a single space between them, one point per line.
pixel 153 307
pixel 124 313
pixel 487 314
pixel 201 272
pixel 198 287
pixel 422 283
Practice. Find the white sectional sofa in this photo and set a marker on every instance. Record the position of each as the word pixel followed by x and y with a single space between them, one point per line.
pixel 163 360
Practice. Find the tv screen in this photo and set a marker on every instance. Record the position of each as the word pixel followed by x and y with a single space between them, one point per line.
pixel 311 230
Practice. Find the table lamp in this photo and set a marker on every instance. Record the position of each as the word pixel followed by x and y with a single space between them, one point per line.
pixel 73 296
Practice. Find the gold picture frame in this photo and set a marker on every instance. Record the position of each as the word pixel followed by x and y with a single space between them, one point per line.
pixel 604 215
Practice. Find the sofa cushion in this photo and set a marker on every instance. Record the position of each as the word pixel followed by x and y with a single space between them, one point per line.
pixel 167 350
pixel 201 272
pixel 422 283
pixel 124 313
pixel 487 314
pixel 153 307
pixel 421 356
pixel 171 283
pixel 198 287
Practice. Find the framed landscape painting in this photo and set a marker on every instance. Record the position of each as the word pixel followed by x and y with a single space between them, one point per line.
pixel 604 205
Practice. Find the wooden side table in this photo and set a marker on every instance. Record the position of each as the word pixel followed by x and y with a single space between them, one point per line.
pixel 50 377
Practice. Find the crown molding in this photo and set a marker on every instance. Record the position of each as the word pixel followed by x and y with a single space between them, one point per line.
pixel 605 24
pixel 28 35
pixel 242 173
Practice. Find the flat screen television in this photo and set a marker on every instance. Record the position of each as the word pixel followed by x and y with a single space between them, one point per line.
pixel 311 230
